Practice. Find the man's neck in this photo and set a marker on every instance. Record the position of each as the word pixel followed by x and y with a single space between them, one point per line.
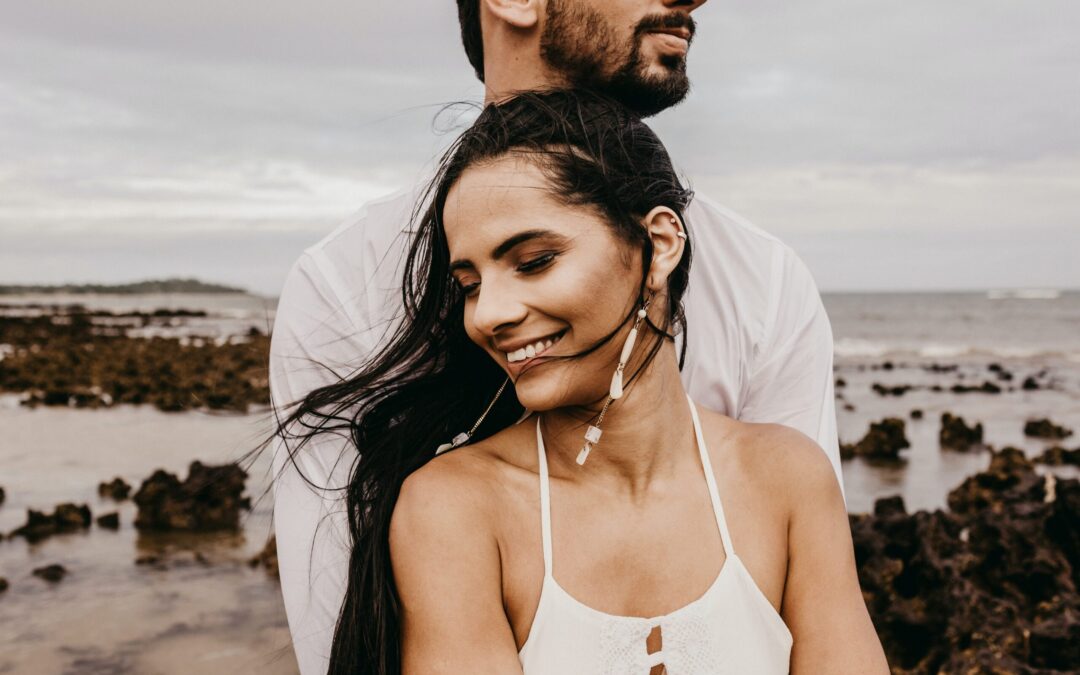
pixel 513 65
pixel 498 89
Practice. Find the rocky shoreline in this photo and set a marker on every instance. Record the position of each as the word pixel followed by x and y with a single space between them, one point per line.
pixel 69 356
pixel 210 499
pixel 989 586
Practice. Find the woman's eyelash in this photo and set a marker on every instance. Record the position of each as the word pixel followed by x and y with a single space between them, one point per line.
pixel 469 289
pixel 536 263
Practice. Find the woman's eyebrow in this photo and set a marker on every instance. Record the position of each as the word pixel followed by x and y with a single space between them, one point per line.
pixel 507 246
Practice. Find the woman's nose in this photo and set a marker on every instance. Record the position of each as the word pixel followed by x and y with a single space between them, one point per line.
pixel 497 308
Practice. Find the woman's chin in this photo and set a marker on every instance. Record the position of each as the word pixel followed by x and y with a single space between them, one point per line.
pixel 539 401
pixel 542 394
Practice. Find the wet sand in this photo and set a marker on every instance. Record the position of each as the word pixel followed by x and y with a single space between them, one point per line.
pixel 109 615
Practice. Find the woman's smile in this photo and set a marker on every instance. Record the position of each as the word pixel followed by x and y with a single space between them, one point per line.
pixel 521 354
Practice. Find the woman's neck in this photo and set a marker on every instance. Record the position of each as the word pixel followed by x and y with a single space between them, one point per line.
pixel 648 434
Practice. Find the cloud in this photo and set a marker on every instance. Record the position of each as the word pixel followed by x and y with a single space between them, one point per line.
pixel 201 197
pixel 840 125
pixel 861 197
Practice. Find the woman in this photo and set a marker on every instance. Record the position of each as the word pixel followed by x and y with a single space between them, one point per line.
pixel 586 517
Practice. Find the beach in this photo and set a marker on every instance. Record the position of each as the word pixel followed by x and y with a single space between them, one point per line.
pixel 141 601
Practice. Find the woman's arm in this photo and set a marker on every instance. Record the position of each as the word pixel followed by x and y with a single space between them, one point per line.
pixel 823 604
pixel 448 573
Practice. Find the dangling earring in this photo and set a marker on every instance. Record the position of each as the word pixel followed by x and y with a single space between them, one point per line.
pixel 464 436
pixel 616 390
pixel 593 433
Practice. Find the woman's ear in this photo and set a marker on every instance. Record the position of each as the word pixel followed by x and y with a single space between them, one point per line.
pixel 668 234
pixel 522 14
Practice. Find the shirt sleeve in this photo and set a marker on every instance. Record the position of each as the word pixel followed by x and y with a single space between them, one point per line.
pixel 791 379
pixel 314 343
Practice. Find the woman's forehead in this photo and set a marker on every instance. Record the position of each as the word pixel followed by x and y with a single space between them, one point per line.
pixel 491 188
pixel 497 199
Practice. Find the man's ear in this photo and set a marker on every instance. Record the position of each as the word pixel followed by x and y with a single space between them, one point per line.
pixel 521 14
pixel 665 228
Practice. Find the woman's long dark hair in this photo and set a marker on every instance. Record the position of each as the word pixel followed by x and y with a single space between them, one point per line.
pixel 430 381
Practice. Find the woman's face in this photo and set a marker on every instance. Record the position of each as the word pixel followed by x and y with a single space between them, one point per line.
pixel 541 278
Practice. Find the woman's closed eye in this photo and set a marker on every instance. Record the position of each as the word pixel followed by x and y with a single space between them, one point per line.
pixel 469 288
pixel 537 264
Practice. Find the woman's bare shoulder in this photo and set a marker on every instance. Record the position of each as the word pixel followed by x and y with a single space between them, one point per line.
pixel 775 458
pixel 469 480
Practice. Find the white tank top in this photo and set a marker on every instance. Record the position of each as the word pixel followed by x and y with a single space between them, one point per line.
pixel 732 628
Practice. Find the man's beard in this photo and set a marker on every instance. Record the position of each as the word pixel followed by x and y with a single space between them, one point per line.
pixel 579 44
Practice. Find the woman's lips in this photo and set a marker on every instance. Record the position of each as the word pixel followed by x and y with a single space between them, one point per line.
pixel 518 367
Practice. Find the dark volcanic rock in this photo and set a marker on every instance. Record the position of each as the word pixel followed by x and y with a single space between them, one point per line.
pixel 52 573
pixel 884 440
pixel 957 435
pixel 941 368
pixel 887 506
pixel 898 390
pixel 209 499
pixel 1059 456
pixel 116 489
pixel 1030 384
pixel 990 587
pixel 267 558
pixel 1044 428
pixel 916 414
pixel 110 521
pixel 3 584
pixel 1002 372
pixel 987 387
pixel 66 518
pixel 3 496
pixel 1055 643
pixel 1010 478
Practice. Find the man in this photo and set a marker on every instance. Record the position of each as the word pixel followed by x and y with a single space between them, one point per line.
pixel 759 343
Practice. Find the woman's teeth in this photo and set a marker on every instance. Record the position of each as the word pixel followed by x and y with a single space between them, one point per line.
pixel 532 350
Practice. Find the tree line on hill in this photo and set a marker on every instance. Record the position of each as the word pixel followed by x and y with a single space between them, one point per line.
pixel 139 287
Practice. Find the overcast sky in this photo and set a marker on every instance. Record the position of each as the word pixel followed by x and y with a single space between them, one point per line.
pixel 913 145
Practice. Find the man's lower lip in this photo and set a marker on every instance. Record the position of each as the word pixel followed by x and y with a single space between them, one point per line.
pixel 672 41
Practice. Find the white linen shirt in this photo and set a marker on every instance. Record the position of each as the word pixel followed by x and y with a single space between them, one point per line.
pixel 759 349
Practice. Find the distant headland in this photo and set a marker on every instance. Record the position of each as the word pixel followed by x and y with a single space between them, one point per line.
pixel 134 288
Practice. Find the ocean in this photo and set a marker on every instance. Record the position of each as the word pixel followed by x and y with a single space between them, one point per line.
pixel 1033 324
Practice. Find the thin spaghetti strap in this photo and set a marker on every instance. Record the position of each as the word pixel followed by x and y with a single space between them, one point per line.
pixel 545 500
pixel 710 478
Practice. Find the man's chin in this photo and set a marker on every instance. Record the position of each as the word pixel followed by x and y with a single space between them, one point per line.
pixel 650 95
